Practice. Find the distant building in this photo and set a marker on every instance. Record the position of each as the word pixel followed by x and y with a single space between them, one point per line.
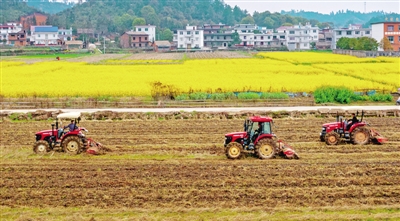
pixel 65 34
pixel 148 29
pixel 162 46
pixel 324 39
pixel 217 36
pixel 8 28
pixel 246 34
pixel 44 35
pixel 133 39
pixel 387 29
pixel 17 38
pixel 35 19
pixel 300 37
pixel 353 31
pixel 190 38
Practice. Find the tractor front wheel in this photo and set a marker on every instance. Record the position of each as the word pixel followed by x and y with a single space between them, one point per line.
pixel 360 136
pixel 41 147
pixel 233 150
pixel 265 149
pixel 72 145
pixel 332 138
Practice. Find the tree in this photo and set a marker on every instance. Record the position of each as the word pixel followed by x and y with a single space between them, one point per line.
pixel 236 39
pixel 149 14
pixel 247 20
pixel 343 43
pixel 385 44
pixel 167 35
pixel 269 22
pixel 138 21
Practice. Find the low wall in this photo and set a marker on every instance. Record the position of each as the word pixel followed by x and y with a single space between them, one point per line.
pixel 367 54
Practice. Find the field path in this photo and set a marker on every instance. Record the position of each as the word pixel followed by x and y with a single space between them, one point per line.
pixel 214 109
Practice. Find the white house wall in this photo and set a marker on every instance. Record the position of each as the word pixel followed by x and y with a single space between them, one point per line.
pixel 377 33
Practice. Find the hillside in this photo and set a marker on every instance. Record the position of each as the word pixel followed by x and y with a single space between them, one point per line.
pixel 342 18
pixel 11 10
pixel 49 7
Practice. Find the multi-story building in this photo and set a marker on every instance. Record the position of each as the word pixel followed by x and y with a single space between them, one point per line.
pixel 149 30
pixel 217 36
pixel 300 37
pixel 44 35
pixel 135 39
pixel 65 34
pixel 389 30
pixel 324 39
pixel 353 31
pixel 268 40
pixel 246 34
pixel 6 29
pixel 190 38
pixel 17 38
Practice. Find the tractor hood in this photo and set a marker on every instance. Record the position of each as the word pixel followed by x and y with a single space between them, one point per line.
pixel 329 124
pixel 236 134
pixel 44 132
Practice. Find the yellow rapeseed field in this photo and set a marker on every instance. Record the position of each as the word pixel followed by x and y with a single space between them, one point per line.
pixel 276 72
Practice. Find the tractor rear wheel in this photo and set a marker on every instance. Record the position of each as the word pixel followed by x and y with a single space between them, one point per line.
pixel 332 138
pixel 41 147
pixel 72 145
pixel 266 148
pixel 360 136
pixel 233 151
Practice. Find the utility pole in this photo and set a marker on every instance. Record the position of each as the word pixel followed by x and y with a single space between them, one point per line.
pixel 365 7
pixel 104 45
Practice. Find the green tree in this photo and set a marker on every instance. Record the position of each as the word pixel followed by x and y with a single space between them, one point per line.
pixel 247 20
pixel 269 22
pixel 149 14
pixel 167 35
pixel 138 21
pixel 236 39
pixel 385 44
pixel 343 43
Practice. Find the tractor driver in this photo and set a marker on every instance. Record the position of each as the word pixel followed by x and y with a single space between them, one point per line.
pixel 352 121
pixel 71 126
pixel 257 131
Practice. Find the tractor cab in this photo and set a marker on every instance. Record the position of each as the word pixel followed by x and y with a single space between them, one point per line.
pixel 355 132
pixel 257 139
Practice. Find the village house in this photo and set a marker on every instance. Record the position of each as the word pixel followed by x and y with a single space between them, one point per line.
pixel 217 36
pixel 162 46
pixel 150 30
pixel 299 37
pixel 190 38
pixel 44 35
pixel 133 39
pixel 353 31
pixel 7 29
pixel 389 30
pixel 17 38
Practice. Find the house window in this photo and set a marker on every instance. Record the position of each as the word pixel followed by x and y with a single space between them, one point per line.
pixel 305 32
pixel 357 32
pixel 305 44
pixel 146 29
pixel 217 37
pixel 133 38
pixel 399 27
pixel 197 46
pixel 291 38
pixel 399 38
pixel 181 32
pixel 140 45
pixel 291 32
pixel 181 46
pixel 391 39
pixel 339 33
pixel 315 31
pixel 145 38
pixel 390 28
pixel 262 37
pixel 224 37
pixel 140 38
pixel 196 32
pixel 269 37
pixel 134 45
pixel 255 37
pixel 269 43
pixel 54 36
pixel 188 33
pixel 367 32
pixel 38 36
pixel 348 32
pixel 282 37
pixel 139 29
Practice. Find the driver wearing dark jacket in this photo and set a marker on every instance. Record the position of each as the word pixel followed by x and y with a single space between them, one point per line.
pixel 353 121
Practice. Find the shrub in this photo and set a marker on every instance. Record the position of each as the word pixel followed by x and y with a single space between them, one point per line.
pixel 230 95
pixel 274 96
pixel 248 95
pixel 182 97
pixel 381 97
pixel 198 96
pixel 327 94
pixel 218 96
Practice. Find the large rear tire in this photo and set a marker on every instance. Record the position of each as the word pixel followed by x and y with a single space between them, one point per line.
pixel 360 136
pixel 41 147
pixel 332 138
pixel 72 145
pixel 266 149
pixel 233 150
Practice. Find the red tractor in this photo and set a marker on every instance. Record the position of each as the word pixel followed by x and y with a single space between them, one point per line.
pixel 71 142
pixel 257 139
pixel 355 132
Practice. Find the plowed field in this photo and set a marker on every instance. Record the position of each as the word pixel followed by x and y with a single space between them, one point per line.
pixel 176 169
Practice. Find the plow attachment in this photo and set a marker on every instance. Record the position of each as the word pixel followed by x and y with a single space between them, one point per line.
pixel 286 150
pixel 376 137
pixel 95 148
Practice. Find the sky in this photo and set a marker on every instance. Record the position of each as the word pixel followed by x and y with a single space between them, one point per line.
pixel 322 6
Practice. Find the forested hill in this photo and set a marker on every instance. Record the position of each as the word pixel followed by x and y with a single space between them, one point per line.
pixel 11 10
pixel 342 18
pixel 118 16
pixel 49 7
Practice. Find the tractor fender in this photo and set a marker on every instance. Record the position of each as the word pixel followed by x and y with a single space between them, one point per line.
pixel 263 136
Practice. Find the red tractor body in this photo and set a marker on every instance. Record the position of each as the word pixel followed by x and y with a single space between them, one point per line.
pixel 357 133
pixel 258 139
pixel 72 142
